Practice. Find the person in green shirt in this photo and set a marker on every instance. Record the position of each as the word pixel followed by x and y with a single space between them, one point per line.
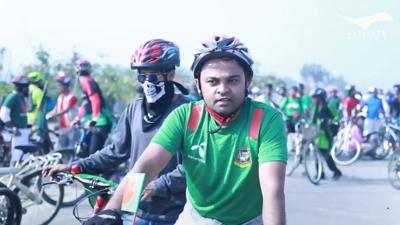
pixel 13 114
pixel 293 109
pixel 36 92
pixel 323 116
pixel 233 148
pixel 305 100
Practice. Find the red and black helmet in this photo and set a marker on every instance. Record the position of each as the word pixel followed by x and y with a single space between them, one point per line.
pixel 222 46
pixel 20 80
pixel 156 54
pixel 82 66
pixel 63 79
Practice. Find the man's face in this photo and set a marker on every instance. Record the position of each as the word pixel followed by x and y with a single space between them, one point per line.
pixel 294 93
pixel 223 84
pixel 314 100
pixel 24 90
pixel 153 83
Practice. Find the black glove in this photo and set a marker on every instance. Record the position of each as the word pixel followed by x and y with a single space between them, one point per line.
pixel 105 217
pixel 92 123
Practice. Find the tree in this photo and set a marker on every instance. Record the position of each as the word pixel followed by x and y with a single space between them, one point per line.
pixel 317 75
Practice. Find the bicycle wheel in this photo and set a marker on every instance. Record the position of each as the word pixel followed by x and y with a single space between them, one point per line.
pixel 73 192
pixel 385 146
pixel 294 160
pixel 68 155
pixel 394 169
pixel 312 164
pixel 36 209
pixel 345 151
pixel 10 207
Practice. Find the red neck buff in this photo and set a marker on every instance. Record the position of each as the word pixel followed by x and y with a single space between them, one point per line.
pixel 220 119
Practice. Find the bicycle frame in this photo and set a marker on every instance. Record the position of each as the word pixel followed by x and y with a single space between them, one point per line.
pixel 29 166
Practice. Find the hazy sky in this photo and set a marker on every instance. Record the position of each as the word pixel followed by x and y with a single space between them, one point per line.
pixel 281 35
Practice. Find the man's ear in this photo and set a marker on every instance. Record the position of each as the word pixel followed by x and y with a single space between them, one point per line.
pixel 248 82
pixel 198 86
pixel 171 75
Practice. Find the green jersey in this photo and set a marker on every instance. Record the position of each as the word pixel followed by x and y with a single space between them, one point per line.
pixel 292 107
pixel 17 107
pixel 222 168
pixel 306 102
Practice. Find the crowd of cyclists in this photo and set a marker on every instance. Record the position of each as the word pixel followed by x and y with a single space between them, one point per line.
pixel 333 107
pixel 205 152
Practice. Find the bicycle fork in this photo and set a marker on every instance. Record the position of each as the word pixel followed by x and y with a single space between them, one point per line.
pixel 100 203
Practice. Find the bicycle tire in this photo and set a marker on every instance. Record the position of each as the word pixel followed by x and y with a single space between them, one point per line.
pixel 345 151
pixel 10 207
pixel 394 169
pixel 312 164
pixel 68 155
pixel 294 161
pixel 34 182
pixel 387 145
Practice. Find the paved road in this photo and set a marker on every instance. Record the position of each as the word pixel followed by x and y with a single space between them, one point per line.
pixel 362 197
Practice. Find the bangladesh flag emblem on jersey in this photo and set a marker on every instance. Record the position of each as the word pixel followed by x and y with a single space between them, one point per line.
pixel 243 157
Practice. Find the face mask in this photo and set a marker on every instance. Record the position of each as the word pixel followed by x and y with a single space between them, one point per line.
pixel 153 92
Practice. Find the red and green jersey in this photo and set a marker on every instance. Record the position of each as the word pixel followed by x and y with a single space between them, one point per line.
pixel 222 168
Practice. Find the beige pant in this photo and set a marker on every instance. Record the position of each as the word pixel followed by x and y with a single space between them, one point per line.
pixel 190 216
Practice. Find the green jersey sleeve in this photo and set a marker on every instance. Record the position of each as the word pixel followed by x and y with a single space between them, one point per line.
pixel 170 134
pixel 9 101
pixel 273 146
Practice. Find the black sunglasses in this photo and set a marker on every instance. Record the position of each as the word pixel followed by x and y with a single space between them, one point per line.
pixel 152 78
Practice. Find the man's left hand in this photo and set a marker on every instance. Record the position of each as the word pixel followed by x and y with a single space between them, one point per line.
pixel 148 192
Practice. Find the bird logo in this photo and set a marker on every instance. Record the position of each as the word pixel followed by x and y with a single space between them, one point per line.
pixel 366 22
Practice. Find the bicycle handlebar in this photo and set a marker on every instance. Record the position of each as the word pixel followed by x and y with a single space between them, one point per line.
pixel 87 180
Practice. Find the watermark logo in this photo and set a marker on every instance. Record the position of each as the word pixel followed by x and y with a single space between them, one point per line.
pixel 367 22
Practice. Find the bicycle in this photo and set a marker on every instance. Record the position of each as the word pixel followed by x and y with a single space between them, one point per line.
pixel 394 169
pixel 98 191
pixel 389 137
pixel 70 155
pixel 350 143
pixel 306 152
pixel 25 179
pixel 345 149
pixel 10 207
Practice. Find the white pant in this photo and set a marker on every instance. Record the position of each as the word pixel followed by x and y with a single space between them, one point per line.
pixel 190 216
pixel 371 125
pixel 23 139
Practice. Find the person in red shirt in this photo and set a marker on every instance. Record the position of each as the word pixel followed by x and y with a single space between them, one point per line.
pixel 350 104
pixel 65 110
pixel 93 110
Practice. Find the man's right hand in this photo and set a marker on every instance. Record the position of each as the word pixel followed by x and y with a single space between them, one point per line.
pixel 105 217
pixel 54 169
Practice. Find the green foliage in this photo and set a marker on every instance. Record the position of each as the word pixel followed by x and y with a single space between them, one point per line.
pixel 117 84
pixel 320 76
pixel 5 88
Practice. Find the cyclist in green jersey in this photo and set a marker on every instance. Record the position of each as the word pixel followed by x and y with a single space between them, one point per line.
pixel 323 116
pixel 293 109
pixel 305 100
pixel 13 115
pixel 233 148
